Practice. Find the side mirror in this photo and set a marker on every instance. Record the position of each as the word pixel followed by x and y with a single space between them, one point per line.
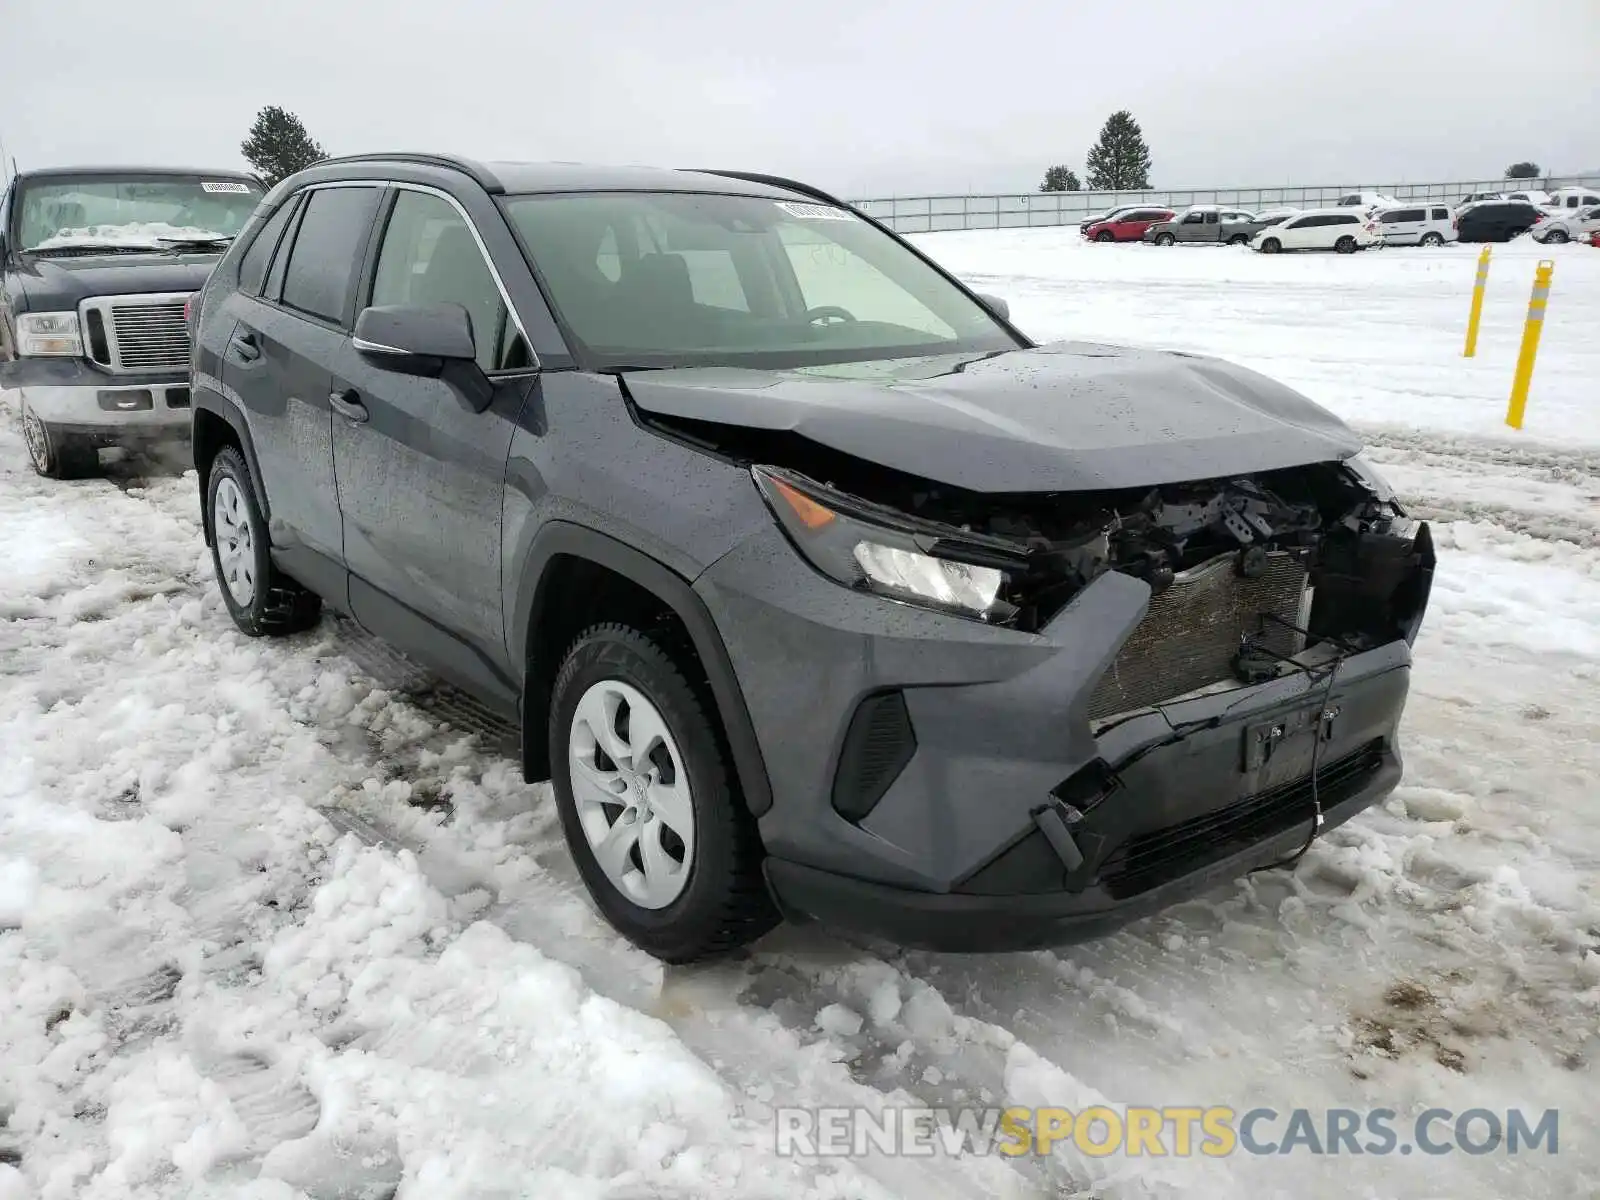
pixel 996 305
pixel 431 341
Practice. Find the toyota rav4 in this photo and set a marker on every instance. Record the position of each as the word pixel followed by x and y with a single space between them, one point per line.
pixel 817 588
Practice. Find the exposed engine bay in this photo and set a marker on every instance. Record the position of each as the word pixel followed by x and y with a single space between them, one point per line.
pixel 1320 546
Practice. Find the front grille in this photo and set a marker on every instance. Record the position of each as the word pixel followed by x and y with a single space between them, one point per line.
pixel 1152 859
pixel 1193 628
pixel 134 334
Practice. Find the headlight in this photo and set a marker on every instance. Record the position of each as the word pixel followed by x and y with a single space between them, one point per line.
pixel 41 334
pixel 1375 483
pixel 862 545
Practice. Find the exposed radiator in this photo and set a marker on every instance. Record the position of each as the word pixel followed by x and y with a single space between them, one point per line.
pixel 1192 631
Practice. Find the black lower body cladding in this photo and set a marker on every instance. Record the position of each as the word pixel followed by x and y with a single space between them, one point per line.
pixel 1001 754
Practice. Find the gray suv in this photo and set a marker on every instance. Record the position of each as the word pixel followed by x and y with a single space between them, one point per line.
pixel 816 588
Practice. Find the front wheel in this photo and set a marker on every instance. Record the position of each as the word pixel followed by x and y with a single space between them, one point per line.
pixel 54 454
pixel 1271 246
pixel 1345 245
pixel 1105 235
pixel 1557 236
pixel 648 799
pixel 1165 239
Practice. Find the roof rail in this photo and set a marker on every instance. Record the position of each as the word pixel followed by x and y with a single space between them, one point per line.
pixel 805 189
pixel 479 173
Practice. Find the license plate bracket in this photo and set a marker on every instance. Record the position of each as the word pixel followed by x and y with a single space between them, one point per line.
pixel 1283 745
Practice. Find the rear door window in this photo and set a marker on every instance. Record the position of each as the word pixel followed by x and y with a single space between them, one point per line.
pixel 320 277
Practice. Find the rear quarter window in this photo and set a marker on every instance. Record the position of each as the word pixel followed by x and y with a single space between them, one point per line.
pixel 253 267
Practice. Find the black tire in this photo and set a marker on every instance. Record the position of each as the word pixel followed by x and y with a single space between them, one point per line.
pixel 1345 245
pixel 1105 235
pixel 724 903
pixel 1432 239
pixel 1165 239
pixel 277 604
pixel 1238 239
pixel 1271 246
pixel 1557 237
pixel 54 454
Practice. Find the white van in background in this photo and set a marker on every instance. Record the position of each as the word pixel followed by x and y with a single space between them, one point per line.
pixel 1575 197
pixel 1431 224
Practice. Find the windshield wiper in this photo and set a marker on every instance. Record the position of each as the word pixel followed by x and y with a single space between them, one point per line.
pixel 89 247
pixel 220 239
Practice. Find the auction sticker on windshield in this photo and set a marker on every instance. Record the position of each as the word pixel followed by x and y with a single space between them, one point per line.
pixel 210 186
pixel 813 212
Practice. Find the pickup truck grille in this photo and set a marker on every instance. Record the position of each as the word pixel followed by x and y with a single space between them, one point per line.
pixel 137 334
pixel 1192 630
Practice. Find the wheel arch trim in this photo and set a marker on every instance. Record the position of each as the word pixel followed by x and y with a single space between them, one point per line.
pixel 205 397
pixel 564 539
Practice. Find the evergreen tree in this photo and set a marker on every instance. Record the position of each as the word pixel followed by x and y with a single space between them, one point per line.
pixel 1060 179
pixel 1523 170
pixel 279 145
pixel 1119 161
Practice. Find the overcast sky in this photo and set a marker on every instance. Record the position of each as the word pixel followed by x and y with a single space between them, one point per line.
pixel 865 97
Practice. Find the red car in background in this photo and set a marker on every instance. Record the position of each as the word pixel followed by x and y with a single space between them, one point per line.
pixel 1128 226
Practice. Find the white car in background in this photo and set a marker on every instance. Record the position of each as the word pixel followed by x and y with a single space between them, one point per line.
pixel 1366 201
pixel 1575 197
pixel 1568 225
pixel 1478 198
pixel 1430 224
pixel 1342 228
pixel 1533 196
pixel 1276 216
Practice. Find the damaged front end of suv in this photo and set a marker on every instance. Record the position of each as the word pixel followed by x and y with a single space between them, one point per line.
pixel 1051 709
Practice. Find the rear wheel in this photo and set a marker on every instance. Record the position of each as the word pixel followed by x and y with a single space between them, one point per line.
pixel 1165 239
pixel 1271 246
pixel 1432 239
pixel 263 601
pixel 1105 235
pixel 1345 245
pixel 54 454
pixel 1238 239
pixel 648 798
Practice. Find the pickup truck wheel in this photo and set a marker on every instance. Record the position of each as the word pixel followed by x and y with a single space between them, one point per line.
pixel 1271 246
pixel 1432 239
pixel 1165 239
pixel 653 818
pixel 262 601
pixel 1238 239
pixel 56 455
pixel 1105 235
pixel 1345 245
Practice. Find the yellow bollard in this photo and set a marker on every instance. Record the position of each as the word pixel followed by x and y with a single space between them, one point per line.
pixel 1530 343
pixel 1477 304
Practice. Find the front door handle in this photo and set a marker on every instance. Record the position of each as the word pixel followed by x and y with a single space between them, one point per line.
pixel 246 347
pixel 348 405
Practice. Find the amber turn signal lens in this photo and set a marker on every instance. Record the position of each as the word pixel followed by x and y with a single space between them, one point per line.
pixel 812 515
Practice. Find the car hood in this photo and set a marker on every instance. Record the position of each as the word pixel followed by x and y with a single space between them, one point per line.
pixel 57 284
pixel 1067 416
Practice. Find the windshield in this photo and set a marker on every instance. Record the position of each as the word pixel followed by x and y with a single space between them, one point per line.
pixel 132 211
pixel 668 279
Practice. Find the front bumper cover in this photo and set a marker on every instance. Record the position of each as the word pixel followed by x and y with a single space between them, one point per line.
pixel 952 854
pixel 78 398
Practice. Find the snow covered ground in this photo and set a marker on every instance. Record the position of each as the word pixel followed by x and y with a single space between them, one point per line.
pixel 271 927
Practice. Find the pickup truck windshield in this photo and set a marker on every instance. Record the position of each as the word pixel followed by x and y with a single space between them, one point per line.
pixel 133 212
pixel 677 279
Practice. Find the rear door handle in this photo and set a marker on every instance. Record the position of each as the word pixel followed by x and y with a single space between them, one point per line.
pixel 348 405
pixel 246 347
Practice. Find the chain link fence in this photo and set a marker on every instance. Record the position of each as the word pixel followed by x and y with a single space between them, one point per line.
pixel 926 214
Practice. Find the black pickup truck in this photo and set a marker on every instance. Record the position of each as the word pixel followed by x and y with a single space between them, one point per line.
pixel 95 266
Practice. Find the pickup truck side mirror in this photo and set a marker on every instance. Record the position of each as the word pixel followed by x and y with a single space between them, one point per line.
pixel 432 341
pixel 996 305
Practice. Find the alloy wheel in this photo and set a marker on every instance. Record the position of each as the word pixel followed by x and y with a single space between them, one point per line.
pixel 37 438
pixel 632 793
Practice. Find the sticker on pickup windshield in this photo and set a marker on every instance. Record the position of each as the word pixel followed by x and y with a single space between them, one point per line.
pixel 813 212
pixel 208 185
